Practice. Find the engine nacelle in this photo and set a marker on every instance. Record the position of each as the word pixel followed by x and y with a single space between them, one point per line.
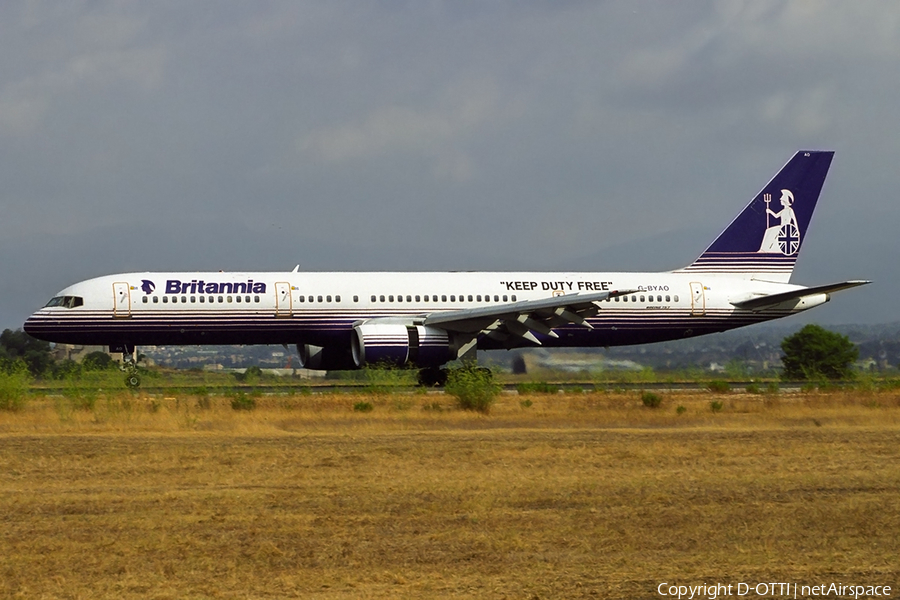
pixel 325 359
pixel 400 344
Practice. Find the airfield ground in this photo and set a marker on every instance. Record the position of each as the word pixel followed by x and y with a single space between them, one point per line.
pixel 573 496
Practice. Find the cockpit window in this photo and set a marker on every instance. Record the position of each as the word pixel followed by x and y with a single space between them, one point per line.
pixel 66 301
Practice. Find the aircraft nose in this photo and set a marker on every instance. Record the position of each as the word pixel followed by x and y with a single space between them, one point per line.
pixel 29 325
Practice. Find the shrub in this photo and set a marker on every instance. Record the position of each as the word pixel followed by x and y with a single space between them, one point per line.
pixel 251 375
pixel 680 410
pixel 526 403
pixel 385 378
pixel 715 406
pixel 718 387
pixel 651 400
pixel 536 387
pixel 241 401
pixel 363 407
pixel 473 388
pixel 772 388
pixel 14 389
pixel 753 388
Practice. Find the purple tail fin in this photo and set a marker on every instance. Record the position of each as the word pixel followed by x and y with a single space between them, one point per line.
pixel 765 239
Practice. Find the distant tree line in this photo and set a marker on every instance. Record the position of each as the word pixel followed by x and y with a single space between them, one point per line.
pixel 811 353
pixel 18 351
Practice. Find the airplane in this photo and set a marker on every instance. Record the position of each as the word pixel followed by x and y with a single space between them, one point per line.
pixel 424 320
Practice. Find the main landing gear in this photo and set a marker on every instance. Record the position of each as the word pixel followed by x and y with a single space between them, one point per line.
pixel 129 364
pixel 432 377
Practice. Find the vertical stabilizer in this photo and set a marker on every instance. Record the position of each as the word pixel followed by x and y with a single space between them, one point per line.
pixel 765 239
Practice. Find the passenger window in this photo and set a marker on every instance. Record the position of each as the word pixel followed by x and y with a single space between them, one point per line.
pixel 434 298
pixel 676 297
pixel 390 298
pixel 409 298
pixel 642 298
pixel 505 297
pixel 496 298
pixel 617 298
pixel 302 299
pixel 238 298
pixel 478 297
pixel 399 298
pixel 174 299
pixel 470 297
pixel 165 299
pixel 221 299
pixel 418 298
pixel 373 299
pixel 202 299
pixel 193 299
pixel 256 298
pixel 337 298
pixel 228 298
pixel 184 299
pixel 513 297
pixel 318 298
pixel 668 299
pixel 381 298
pixel 311 299
pixel 452 298
pixel 426 298
pixel 328 298
pixel 443 298
pixel 634 298
pixel 624 298
pixel 144 300
pixel 356 298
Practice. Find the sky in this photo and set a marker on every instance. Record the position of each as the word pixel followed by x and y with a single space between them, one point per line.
pixel 427 135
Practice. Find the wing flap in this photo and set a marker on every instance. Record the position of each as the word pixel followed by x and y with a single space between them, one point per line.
pixel 524 319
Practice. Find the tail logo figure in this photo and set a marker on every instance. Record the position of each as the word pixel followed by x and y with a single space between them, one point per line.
pixel 784 235
pixel 147 286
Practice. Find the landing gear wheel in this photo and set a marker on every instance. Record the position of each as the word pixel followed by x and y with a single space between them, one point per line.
pixel 129 364
pixel 432 377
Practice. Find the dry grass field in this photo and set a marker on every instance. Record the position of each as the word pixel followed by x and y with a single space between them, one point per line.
pixel 572 496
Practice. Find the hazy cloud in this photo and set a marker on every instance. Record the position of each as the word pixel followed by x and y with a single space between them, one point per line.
pixel 436 135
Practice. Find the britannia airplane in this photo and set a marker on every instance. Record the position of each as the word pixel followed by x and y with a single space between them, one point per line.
pixel 424 320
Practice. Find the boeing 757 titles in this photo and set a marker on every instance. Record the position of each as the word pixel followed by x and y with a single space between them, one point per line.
pixel 424 320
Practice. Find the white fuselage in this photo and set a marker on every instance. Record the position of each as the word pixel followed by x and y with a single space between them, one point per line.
pixel 321 308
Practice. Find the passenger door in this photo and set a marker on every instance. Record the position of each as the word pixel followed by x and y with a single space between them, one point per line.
pixel 283 301
pixel 698 299
pixel 121 300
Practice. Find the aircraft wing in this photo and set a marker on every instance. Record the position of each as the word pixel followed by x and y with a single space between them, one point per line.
pixel 523 319
pixel 760 302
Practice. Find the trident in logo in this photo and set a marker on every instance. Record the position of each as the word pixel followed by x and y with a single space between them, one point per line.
pixel 784 236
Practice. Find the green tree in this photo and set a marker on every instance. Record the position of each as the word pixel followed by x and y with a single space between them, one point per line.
pixel 15 345
pixel 97 361
pixel 815 353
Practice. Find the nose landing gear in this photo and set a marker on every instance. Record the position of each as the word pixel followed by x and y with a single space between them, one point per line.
pixel 129 364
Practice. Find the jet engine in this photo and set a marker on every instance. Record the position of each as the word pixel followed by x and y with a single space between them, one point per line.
pixel 330 358
pixel 401 344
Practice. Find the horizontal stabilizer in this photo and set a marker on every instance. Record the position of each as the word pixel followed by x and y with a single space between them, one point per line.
pixel 759 302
